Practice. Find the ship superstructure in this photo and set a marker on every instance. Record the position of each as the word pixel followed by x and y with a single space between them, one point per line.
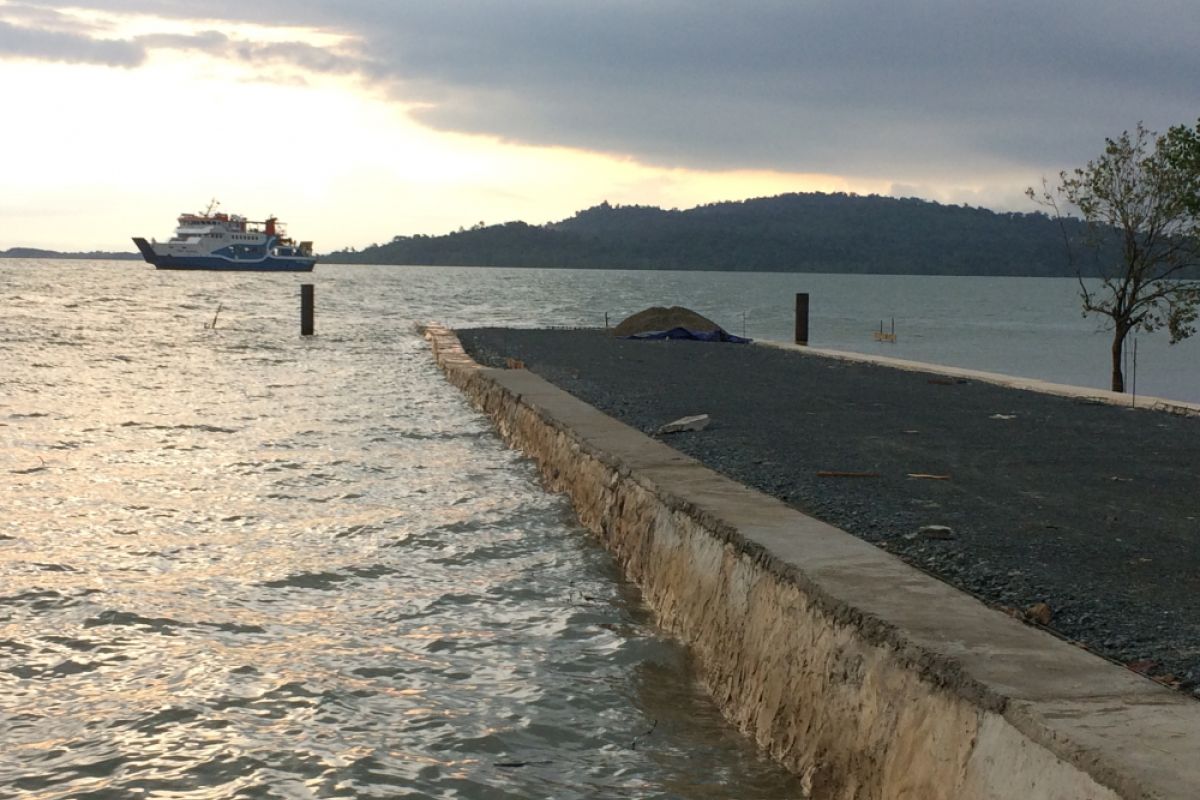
pixel 219 241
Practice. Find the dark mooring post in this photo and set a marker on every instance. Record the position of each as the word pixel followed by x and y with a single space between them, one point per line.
pixel 307 304
pixel 802 318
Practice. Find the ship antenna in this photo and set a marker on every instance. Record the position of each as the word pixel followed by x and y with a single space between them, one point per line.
pixel 211 205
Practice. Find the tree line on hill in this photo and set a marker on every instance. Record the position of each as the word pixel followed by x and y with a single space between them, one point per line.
pixel 809 232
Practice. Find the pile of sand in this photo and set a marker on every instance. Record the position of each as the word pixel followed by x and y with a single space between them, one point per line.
pixel 663 319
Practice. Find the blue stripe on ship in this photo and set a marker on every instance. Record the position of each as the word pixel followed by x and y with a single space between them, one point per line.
pixel 259 264
pixel 269 264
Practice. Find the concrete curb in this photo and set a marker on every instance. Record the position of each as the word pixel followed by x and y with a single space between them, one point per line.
pixel 856 671
pixel 1011 381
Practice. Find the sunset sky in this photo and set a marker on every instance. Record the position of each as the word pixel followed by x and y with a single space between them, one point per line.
pixel 359 120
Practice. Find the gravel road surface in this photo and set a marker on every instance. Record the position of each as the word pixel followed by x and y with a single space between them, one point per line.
pixel 1091 509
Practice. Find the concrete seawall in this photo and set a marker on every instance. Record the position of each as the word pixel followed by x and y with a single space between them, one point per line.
pixel 1013 382
pixel 865 676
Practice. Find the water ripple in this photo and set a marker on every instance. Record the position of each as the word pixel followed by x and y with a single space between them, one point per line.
pixel 234 563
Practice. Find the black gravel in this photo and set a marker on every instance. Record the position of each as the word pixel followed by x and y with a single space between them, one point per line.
pixel 1091 509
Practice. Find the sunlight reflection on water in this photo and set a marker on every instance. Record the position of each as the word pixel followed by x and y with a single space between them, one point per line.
pixel 235 562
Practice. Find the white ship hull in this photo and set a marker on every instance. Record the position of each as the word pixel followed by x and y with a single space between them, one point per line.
pixel 222 242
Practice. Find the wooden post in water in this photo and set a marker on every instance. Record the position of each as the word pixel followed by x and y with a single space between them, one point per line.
pixel 307 307
pixel 802 318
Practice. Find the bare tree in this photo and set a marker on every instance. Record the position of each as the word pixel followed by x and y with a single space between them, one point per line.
pixel 1141 203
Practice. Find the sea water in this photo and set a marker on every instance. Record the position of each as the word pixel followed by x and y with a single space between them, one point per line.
pixel 235 562
pixel 1026 327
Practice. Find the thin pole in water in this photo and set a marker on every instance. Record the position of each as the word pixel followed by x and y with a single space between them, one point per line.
pixel 307 309
pixel 802 318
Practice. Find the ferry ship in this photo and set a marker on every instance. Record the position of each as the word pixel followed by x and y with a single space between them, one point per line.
pixel 218 241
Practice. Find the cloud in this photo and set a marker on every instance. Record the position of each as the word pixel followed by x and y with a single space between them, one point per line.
pixel 50 45
pixel 912 90
pixel 296 54
pixel 44 18
pixel 908 88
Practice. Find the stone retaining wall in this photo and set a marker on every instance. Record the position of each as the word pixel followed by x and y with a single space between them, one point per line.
pixel 859 673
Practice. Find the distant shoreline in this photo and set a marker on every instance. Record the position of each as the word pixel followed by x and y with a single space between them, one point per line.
pixel 97 255
pixel 806 269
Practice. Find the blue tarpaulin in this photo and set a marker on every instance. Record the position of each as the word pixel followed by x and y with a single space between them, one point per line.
pixel 686 333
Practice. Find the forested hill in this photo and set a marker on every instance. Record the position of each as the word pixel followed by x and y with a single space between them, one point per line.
pixel 789 233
